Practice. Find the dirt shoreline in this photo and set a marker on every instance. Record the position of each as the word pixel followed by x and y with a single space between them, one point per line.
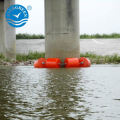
pixel 31 63
pixel 28 60
pixel 17 63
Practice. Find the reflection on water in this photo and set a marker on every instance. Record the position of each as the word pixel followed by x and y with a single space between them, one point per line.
pixel 62 91
pixel 60 94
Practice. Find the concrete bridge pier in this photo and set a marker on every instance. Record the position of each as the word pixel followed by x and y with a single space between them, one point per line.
pixel 2 39
pixel 7 33
pixel 62 28
pixel 10 35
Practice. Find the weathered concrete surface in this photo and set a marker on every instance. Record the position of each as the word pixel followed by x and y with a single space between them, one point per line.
pixel 62 28
pixel 10 35
pixel 2 40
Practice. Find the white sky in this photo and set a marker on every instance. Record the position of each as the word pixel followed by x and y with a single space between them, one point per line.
pixel 96 16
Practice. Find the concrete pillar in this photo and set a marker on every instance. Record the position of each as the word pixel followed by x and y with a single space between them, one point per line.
pixel 2 40
pixel 10 35
pixel 62 28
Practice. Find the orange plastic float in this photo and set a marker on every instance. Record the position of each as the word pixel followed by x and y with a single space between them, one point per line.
pixel 84 62
pixel 40 63
pixel 56 63
pixel 72 62
pixel 53 63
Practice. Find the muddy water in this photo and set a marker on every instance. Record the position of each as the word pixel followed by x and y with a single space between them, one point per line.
pixel 60 94
pixel 97 46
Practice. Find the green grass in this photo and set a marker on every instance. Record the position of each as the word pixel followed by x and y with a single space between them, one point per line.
pixel 84 36
pixel 95 59
pixel 2 57
pixel 23 57
pixel 98 59
pixel 30 56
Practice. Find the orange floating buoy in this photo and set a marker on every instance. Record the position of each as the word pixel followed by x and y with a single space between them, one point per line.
pixel 84 62
pixel 72 62
pixel 56 63
pixel 53 63
pixel 40 63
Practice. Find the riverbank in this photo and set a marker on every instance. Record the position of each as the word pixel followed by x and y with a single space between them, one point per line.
pixel 82 36
pixel 28 60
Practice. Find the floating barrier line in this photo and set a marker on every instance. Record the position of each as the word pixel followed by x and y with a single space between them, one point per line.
pixel 68 63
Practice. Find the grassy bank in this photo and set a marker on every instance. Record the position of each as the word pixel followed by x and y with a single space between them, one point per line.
pixel 30 56
pixel 21 60
pixel 98 59
pixel 95 59
pixel 23 57
pixel 84 36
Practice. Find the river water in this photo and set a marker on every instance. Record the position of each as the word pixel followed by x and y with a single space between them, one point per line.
pixel 60 94
pixel 97 46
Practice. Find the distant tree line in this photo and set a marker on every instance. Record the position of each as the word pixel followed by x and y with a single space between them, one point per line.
pixel 29 36
pixel 83 36
pixel 113 35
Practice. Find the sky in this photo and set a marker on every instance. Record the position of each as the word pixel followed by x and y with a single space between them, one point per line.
pixel 96 16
